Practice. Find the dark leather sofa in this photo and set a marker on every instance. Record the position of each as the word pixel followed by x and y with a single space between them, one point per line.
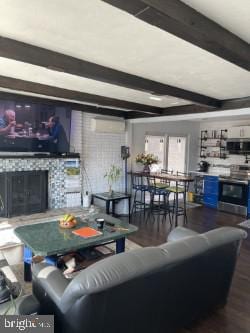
pixel 148 290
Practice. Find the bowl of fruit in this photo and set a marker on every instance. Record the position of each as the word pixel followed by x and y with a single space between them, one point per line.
pixel 68 221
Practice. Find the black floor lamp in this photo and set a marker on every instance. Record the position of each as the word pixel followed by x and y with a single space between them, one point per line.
pixel 125 155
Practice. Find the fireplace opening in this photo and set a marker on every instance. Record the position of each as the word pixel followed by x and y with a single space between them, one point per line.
pixel 23 193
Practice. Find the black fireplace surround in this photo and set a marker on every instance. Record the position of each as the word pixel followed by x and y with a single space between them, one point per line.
pixel 23 192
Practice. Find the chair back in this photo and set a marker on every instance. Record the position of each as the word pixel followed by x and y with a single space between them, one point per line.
pixel 183 184
pixel 166 172
pixel 169 172
pixel 137 180
pixel 151 182
pixel 186 174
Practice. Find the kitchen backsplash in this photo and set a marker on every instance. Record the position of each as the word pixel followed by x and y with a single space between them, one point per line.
pixel 219 165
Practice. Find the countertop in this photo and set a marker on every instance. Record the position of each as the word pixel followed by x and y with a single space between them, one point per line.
pixel 213 173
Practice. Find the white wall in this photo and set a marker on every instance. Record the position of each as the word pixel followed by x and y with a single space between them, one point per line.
pixel 178 128
pixel 98 152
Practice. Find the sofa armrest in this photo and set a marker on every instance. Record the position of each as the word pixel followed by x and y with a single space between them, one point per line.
pixel 50 279
pixel 27 305
pixel 180 233
pixel 23 305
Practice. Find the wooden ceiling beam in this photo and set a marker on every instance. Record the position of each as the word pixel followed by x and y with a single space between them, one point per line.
pixel 236 103
pixel 183 21
pixel 229 104
pixel 74 106
pixel 34 55
pixel 42 89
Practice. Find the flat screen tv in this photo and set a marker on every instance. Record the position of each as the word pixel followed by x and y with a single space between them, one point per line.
pixel 34 127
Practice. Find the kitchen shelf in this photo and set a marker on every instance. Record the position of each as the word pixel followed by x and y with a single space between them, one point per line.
pixel 221 157
pixel 204 148
pixel 210 138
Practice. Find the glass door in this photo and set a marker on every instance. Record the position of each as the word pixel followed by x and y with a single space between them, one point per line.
pixel 176 153
pixel 155 144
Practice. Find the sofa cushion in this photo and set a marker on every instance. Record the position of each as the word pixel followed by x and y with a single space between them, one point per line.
pixel 180 233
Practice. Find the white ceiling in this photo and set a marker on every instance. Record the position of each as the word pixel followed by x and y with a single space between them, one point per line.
pixel 95 31
pixel 234 15
pixel 222 116
pixel 13 91
pixel 24 71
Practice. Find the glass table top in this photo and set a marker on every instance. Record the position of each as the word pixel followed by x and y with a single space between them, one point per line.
pixel 48 238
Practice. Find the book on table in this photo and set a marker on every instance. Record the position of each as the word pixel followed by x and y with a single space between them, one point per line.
pixel 104 250
pixel 87 232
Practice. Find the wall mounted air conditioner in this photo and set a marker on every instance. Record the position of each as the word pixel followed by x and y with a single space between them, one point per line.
pixel 107 126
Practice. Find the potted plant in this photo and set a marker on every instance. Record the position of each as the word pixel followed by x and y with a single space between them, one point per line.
pixel 147 160
pixel 113 175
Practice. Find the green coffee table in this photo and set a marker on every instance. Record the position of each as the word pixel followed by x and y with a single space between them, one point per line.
pixel 49 240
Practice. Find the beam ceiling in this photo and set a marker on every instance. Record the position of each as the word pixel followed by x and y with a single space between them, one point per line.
pixel 186 23
pixel 34 55
pixel 230 104
pixel 74 106
pixel 42 89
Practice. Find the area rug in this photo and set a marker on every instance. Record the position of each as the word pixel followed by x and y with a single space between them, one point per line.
pixel 245 224
pixel 8 237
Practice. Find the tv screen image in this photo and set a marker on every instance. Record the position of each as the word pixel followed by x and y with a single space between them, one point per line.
pixel 30 127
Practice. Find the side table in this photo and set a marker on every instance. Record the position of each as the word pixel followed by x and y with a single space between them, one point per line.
pixel 114 198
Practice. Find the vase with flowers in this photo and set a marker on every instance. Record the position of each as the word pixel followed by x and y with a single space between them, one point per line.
pixel 147 160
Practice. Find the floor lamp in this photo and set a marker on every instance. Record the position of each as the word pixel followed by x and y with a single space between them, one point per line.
pixel 125 155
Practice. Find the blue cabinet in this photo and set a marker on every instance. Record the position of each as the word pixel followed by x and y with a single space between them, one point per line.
pixel 248 203
pixel 211 191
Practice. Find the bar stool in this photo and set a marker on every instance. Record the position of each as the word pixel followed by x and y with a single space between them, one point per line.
pixel 140 190
pixel 182 189
pixel 163 182
pixel 158 206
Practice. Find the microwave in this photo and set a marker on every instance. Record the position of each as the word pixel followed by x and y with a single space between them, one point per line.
pixel 238 146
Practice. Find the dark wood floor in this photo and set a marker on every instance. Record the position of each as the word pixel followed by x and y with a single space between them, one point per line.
pixel 234 318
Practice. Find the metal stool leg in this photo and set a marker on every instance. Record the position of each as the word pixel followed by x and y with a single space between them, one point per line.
pixel 144 200
pixel 185 207
pixel 167 208
pixel 134 206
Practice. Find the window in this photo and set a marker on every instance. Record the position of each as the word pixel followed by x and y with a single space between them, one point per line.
pixel 176 153
pixel 155 144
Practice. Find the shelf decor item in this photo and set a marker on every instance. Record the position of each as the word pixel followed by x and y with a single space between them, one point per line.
pixel 147 160
pixel 113 175
pixel 213 144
